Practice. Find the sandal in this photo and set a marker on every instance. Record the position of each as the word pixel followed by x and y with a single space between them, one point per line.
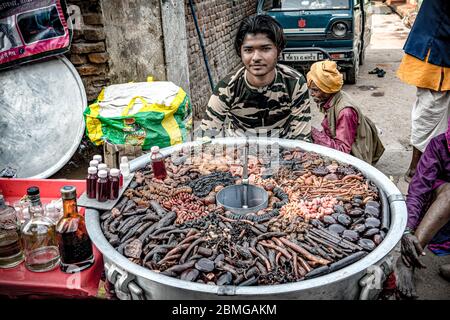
pixel 375 71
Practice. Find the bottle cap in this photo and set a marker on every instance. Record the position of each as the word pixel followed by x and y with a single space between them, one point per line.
pixel 33 191
pixel 93 163
pixel 102 166
pixel 114 172
pixel 68 192
pixel 98 158
pixel 92 170
pixel 102 173
pixel 124 160
pixel 155 149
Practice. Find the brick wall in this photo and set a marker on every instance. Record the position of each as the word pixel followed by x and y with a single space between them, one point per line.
pixel 218 20
pixel 88 51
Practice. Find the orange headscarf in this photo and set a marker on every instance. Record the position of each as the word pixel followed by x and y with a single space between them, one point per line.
pixel 326 76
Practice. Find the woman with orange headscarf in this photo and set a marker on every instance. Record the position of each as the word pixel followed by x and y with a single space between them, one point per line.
pixel 345 128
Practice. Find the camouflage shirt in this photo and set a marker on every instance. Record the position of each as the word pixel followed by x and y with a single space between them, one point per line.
pixel 282 109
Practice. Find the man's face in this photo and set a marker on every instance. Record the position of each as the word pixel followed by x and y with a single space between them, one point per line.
pixel 318 95
pixel 259 54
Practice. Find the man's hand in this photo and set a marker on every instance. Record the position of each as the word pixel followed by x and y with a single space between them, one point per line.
pixel 411 251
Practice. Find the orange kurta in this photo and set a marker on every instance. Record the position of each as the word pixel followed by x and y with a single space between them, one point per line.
pixel 422 74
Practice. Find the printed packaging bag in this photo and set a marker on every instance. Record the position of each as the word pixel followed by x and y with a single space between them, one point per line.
pixel 145 114
pixel 31 30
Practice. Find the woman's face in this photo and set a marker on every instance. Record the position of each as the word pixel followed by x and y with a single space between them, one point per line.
pixel 318 95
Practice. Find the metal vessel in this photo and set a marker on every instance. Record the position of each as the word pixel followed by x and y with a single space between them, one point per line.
pixel 41 122
pixel 360 280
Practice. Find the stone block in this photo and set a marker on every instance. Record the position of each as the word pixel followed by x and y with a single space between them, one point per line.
pixel 93 19
pixel 90 69
pixel 77 59
pixel 94 33
pixel 98 58
pixel 80 48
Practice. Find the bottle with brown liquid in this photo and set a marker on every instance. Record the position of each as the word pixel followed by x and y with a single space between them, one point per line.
pixel 10 247
pixel 73 240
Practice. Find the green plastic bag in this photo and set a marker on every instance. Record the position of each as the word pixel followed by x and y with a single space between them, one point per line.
pixel 146 114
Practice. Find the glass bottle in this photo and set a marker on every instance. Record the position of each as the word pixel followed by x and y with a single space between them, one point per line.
pixel 98 158
pixel 114 184
pixel 91 183
pixel 158 165
pixel 102 186
pixel 22 207
pixel 93 163
pixel 38 237
pixel 73 240
pixel 52 213
pixel 11 253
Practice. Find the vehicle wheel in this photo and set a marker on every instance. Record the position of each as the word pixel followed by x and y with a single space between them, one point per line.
pixel 362 56
pixel 352 73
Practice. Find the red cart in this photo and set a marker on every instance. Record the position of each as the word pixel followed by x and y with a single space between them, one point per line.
pixel 18 281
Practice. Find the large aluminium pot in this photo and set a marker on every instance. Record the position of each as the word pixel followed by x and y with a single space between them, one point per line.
pixel 362 279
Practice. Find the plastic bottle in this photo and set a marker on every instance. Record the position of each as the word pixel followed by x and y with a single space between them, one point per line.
pixel 158 165
pixel 103 166
pixel 91 183
pixel 73 240
pixel 124 170
pixel 114 184
pixel 38 237
pixel 102 186
pixel 93 163
pixel 98 158
pixel 11 253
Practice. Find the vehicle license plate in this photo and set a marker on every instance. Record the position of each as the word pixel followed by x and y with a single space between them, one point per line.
pixel 309 56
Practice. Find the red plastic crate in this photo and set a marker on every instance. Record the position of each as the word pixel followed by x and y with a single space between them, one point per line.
pixel 18 281
pixel 14 189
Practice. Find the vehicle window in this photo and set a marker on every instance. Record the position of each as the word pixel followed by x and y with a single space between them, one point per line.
pixel 306 4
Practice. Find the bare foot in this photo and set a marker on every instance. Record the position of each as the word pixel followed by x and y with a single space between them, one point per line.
pixel 405 279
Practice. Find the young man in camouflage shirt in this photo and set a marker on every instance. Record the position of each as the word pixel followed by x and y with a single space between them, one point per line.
pixel 262 97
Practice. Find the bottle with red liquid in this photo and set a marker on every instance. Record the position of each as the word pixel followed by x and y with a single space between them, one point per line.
pixel 102 186
pixel 114 184
pixel 103 166
pixel 93 163
pixel 158 165
pixel 91 183
pixel 98 158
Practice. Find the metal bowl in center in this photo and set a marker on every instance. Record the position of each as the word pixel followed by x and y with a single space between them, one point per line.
pixel 232 198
